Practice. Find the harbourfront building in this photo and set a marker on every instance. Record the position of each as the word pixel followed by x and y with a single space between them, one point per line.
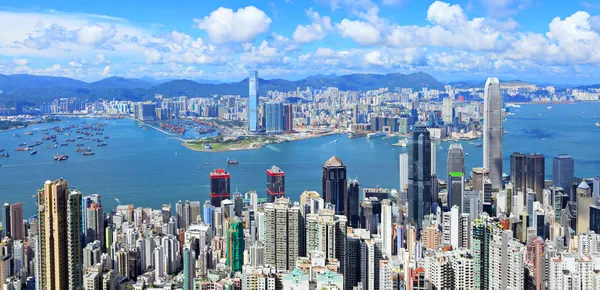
pixel 493 131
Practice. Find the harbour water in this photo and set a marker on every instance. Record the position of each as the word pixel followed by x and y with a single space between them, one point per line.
pixel 146 168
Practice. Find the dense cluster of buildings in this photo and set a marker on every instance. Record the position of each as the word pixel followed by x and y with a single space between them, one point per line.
pixel 473 229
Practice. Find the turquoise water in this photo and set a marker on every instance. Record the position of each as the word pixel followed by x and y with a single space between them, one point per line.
pixel 146 168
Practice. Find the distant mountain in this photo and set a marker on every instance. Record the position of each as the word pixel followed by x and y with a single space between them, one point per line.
pixel 37 89
pixel 121 83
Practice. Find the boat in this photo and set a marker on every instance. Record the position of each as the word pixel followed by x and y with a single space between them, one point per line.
pixel 23 144
pixel 23 149
pixel 16 135
pixel 70 140
pixel 50 147
pixel 33 152
pixel 199 168
pixel 232 161
pixel 64 145
pixel 106 137
pixel 597 124
pixel 88 153
pixel 61 157
pixel 84 150
pixel 513 105
pixel 401 143
pixel 375 135
pixel 101 144
pixel 5 155
pixel 28 133
pixel 79 145
pixel 1 150
pixel 549 107
pixel 478 145
pixel 467 153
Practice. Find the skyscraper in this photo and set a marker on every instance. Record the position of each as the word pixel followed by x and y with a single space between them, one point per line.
pixel 189 269
pixel 456 185
pixel 60 259
pixel 518 169
pixel 219 186
pixel 95 224
pixel 253 102
pixel 403 172
pixel 447 111
pixel 535 174
pixel 288 117
pixel 563 171
pixel 283 234
pixel 274 118
pixel 334 184
pixel 5 220
pixel 433 159
pixel 419 176
pixel 17 231
pixel 456 159
pixel 275 183
pixel 354 203
pixel 235 245
pixel 493 131
pixel 386 227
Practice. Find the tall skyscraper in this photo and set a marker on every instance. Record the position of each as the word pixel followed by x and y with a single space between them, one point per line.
pixel 95 230
pixel 420 195
pixel 219 186
pixel 493 131
pixel 288 117
pixel 403 172
pixel 189 269
pixel 354 203
pixel 60 259
pixel 235 245
pixel 284 233
pixel 456 158
pixel 456 185
pixel 535 174
pixel 448 110
pixel 274 118
pixel 334 184
pixel 275 183
pixel 386 227
pixel 563 172
pixel 518 169
pixel 5 220
pixel 253 102
pixel 433 159
pixel 17 231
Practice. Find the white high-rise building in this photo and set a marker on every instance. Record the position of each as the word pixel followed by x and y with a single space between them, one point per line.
pixel 506 258
pixel 433 158
pixel 282 234
pixel 447 110
pixel 493 131
pixel 403 172
pixel 386 227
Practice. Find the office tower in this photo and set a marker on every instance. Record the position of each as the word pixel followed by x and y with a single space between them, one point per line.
pixel 189 269
pixel 95 224
pixel 334 184
pixel 219 186
pixel 353 203
pixel 252 107
pixel 563 172
pixel 368 219
pixel 447 110
pixel 594 219
pixel 288 118
pixel 456 158
pixel 6 220
pixel 456 184
pixel 386 227
pixel 17 230
pixel 274 118
pixel 493 131
pixel 59 233
pixel 275 183
pixel 471 204
pixel 283 234
pixel 235 245
pixel 420 195
pixel 583 203
pixel 433 159
pixel 238 204
pixel 404 172
pixel 518 171
pixel 506 256
pixel 377 192
pixel 535 174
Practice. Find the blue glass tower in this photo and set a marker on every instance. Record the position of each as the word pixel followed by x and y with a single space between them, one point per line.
pixel 563 171
pixel 253 102
pixel 274 118
pixel 420 196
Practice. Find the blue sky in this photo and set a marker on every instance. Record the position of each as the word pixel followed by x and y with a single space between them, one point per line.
pixel 535 40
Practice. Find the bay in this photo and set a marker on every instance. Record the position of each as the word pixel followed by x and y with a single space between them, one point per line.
pixel 147 169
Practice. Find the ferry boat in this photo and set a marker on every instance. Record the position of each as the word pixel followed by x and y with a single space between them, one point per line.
pixel 375 135
pixel 88 153
pixel 28 133
pixel 61 157
pixel 6 155
pixel 83 149
pixel 232 161
pixel 101 144
pixel 33 152
pixel 513 105
pixel 23 149
pixel 1 150
pixel 80 144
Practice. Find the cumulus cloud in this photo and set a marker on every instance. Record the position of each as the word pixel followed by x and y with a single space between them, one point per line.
pixel 21 61
pixel 106 71
pixel 361 32
pixel 223 24
pixel 317 30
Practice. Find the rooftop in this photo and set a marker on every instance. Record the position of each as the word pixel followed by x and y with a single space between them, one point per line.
pixel 333 162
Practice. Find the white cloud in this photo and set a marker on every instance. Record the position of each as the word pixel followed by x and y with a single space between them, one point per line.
pixel 100 59
pixel 362 33
pixel 374 58
pixel 106 71
pixel 317 30
pixel 152 56
pixel 21 61
pixel 225 25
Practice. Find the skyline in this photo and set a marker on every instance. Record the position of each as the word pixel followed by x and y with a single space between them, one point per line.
pixel 454 40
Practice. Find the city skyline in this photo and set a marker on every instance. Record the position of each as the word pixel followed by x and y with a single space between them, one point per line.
pixel 294 38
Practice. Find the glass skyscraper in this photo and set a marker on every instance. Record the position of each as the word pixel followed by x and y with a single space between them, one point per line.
pixel 274 118
pixel 253 102
pixel 492 131
pixel 419 175
pixel 563 171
